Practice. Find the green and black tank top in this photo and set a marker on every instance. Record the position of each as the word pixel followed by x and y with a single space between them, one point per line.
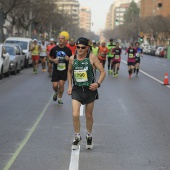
pixel 83 72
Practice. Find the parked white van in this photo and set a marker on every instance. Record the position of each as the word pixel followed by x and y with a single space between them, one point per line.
pixel 25 44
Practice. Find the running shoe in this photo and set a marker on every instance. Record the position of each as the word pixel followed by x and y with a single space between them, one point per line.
pixel 76 143
pixel 43 70
pixel 130 76
pixel 55 97
pixel 60 102
pixel 114 75
pixel 35 71
pixel 89 143
pixel 111 71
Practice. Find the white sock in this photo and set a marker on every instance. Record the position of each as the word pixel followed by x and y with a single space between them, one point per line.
pixel 77 135
pixel 59 98
pixel 89 134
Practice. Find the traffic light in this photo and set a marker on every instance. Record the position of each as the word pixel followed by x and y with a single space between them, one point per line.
pixel 141 39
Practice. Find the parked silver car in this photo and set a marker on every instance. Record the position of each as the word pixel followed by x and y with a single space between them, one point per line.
pixel 4 62
pixel 21 53
pixel 15 60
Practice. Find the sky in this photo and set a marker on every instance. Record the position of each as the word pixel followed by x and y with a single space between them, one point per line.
pixel 99 10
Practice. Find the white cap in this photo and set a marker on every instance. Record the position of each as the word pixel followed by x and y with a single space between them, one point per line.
pixel 51 39
pixel 35 39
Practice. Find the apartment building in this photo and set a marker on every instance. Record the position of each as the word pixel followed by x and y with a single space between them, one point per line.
pixel 70 8
pixel 155 7
pixel 85 18
pixel 112 12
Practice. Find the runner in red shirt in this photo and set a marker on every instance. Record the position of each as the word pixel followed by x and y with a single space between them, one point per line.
pixel 49 63
pixel 72 46
pixel 131 61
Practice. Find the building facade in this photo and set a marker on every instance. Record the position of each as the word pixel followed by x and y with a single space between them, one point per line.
pixel 120 13
pixel 69 8
pixel 112 12
pixel 155 7
pixel 85 18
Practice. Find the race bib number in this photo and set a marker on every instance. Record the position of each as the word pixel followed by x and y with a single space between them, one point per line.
pixel 80 75
pixel 103 54
pixel 131 55
pixel 61 66
pixel 117 56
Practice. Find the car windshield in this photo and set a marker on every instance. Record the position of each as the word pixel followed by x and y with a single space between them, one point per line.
pixel 10 50
pixel 23 44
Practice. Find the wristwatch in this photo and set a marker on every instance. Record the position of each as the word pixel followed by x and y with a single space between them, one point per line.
pixel 98 84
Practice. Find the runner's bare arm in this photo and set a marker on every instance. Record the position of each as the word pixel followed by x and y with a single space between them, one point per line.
pixel 95 61
pixel 69 75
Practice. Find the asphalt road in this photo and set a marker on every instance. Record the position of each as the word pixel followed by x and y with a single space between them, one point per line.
pixel 131 123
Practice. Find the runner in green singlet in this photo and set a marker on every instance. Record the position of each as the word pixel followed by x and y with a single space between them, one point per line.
pixel 84 90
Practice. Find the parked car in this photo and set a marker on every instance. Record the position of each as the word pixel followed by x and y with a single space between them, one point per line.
pixel 4 62
pixel 152 51
pixel 25 44
pixel 158 51
pixel 15 61
pixel 162 52
pixel 22 55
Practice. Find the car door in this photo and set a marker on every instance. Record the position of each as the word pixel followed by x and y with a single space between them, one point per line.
pixel 5 59
pixel 18 53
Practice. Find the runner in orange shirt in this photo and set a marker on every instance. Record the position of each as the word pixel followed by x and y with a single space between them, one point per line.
pixel 49 47
pixel 72 46
pixel 103 51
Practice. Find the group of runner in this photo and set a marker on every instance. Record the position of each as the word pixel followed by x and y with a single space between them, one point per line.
pixel 77 62
pixel 112 52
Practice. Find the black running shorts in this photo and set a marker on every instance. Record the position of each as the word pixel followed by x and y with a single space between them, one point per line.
pixel 56 76
pixel 131 63
pixel 137 60
pixel 84 95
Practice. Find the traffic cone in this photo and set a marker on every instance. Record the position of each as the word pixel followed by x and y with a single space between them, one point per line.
pixel 166 79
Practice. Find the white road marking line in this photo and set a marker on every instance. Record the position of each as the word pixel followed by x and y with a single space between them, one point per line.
pixel 74 160
pixel 149 76
pixel 82 110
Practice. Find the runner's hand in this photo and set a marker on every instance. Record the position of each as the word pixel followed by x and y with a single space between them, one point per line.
pixel 55 61
pixel 69 91
pixel 93 86
pixel 66 58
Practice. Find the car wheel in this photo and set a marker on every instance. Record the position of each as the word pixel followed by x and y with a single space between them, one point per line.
pixel 19 68
pixel 26 63
pixel 15 70
pixel 1 73
pixel 8 72
pixel 23 66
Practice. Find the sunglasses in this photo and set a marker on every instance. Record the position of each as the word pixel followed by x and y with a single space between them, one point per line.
pixel 83 47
